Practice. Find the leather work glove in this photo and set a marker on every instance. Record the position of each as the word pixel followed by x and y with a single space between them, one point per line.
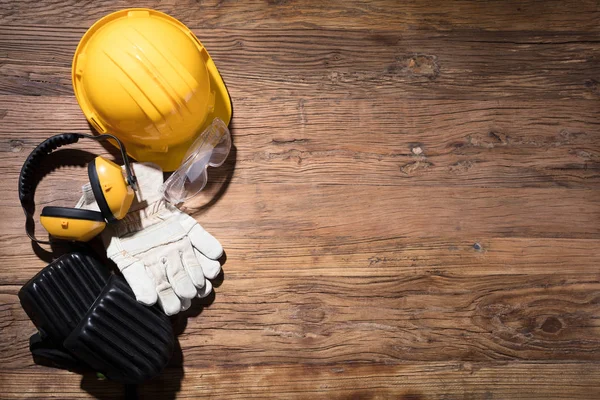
pixel 163 253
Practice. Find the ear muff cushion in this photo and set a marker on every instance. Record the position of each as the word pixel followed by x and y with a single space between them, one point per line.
pixel 113 195
pixel 72 223
pixel 98 194
pixel 75 213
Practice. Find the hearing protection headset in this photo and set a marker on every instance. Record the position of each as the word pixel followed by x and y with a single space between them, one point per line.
pixel 113 193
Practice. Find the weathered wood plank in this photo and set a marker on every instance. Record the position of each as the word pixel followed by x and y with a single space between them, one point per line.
pixel 409 65
pixel 411 381
pixel 534 15
pixel 385 317
pixel 265 256
pixel 317 215
pixel 379 141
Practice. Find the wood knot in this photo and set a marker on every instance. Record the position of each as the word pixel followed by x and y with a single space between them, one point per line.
pixel 418 65
pixel 489 141
pixel 16 146
pixel 552 325
pixel 414 167
pixel 424 65
pixel 311 313
pixel 461 166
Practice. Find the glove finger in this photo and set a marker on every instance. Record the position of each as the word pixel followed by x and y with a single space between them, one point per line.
pixel 193 267
pixel 205 291
pixel 169 301
pixel 178 277
pixel 142 285
pixel 210 267
pixel 205 243
pixel 185 304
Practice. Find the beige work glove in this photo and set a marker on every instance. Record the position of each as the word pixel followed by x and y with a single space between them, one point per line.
pixel 163 253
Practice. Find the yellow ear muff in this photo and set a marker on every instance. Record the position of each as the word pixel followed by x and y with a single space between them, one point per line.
pixel 113 195
pixel 72 223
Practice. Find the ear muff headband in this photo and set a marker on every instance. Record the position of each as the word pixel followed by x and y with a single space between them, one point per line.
pixel 27 184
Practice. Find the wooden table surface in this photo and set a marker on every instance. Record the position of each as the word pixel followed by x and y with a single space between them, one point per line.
pixel 411 210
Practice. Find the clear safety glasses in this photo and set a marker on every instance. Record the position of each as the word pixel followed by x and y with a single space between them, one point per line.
pixel 211 148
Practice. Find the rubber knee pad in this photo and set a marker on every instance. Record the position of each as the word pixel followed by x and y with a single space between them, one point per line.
pixel 89 318
pixel 125 340
pixel 59 295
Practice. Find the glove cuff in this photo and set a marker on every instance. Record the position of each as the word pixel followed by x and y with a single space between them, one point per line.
pixel 150 179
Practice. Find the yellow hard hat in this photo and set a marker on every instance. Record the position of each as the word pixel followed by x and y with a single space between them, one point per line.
pixel 144 76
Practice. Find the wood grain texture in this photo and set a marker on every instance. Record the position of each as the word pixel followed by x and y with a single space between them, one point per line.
pixel 554 15
pixel 457 64
pixel 409 381
pixel 263 256
pixel 372 141
pixel 410 211
pixel 390 317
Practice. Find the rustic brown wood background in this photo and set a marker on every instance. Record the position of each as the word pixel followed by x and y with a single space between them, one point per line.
pixel 412 209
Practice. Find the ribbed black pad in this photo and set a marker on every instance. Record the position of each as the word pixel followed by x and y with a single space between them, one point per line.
pixel 60 295
pixel 121 338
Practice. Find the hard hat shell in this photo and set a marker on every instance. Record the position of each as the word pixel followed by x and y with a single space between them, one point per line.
pixel 143 76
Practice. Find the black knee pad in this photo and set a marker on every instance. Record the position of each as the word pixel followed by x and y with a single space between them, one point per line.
pixel 88 317
pixel 59 295
pixel 122 338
